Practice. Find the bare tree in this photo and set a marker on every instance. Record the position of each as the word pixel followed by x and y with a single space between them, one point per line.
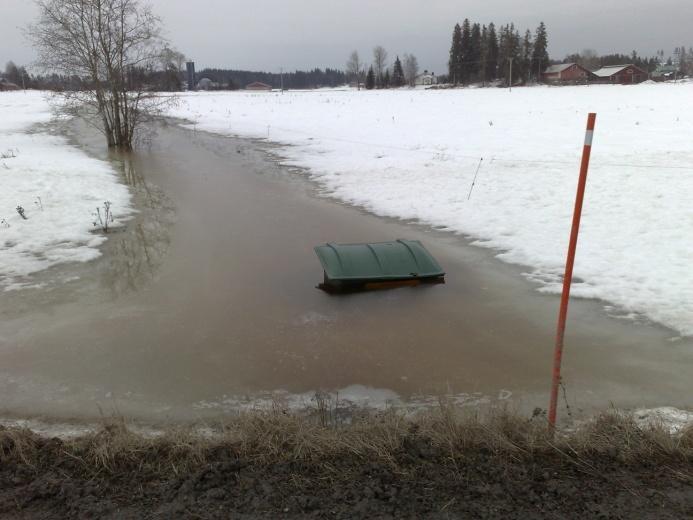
pixel 11 72
pixel 411 69
pixel 353 68
pixel 171 64
pixel 590 59
pixel 110 45
pixel 379 64
pixel 172 58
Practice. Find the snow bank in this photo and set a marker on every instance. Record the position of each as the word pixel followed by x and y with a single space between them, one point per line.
pixel 58 186
pixel 413 155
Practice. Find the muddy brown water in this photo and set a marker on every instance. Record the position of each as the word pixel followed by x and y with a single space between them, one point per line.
pixel 208 298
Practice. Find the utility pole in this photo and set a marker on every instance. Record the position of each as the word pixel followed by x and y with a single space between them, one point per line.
pixel 510 83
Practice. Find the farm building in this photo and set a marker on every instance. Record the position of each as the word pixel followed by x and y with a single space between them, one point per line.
pixel 207 84
pixel 427 78
pixel 622 74
pixel 258 85
pixel 567 72
pixel 7 85
pixel 665 73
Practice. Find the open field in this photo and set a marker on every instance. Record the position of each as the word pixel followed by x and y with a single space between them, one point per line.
pixel 414 154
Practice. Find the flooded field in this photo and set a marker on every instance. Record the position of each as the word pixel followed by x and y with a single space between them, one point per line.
pixel 207 301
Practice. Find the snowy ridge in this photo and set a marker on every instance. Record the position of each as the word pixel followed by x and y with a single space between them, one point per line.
pixel 412 154
pixel 58 186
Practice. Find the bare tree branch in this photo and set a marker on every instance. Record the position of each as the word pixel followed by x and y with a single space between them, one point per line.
pixel 109 45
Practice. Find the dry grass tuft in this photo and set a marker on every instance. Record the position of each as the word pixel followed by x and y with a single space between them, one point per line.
pixel 617 435
pixel 443 435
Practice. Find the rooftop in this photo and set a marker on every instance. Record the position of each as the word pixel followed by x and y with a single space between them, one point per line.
pixel 610 70
pixel 553 69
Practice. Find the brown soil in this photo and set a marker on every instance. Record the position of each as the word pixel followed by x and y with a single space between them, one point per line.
pixel 277 465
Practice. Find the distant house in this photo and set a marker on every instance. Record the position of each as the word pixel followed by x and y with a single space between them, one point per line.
pixel 665 73
pixel 622 74
pixel 7 85
pixel 206 84
pixel 258 85
pixel 427 78
pixel 567 73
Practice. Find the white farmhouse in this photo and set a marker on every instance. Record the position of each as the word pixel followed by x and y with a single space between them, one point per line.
pixel 427 78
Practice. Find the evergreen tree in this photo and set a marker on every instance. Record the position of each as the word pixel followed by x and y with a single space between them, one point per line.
pixel 683 61
pixel 503 52
pixel 466 50
pixel 397 74
pixel 386 79
pixel 475 52
pixel 540 55
pixel 492 51
pixel 455 62
pixel 509 53
pixel 370 78
pixel 483 65
pixel 527 50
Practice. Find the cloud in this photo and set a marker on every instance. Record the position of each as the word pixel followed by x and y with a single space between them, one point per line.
pixel 269 34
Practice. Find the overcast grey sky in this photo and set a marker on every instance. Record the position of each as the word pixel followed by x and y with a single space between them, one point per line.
pixel 269 34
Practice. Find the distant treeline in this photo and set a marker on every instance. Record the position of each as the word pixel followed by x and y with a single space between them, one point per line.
pixel 238 79
pixel 167 79
pixel 171 79
pixel 478 54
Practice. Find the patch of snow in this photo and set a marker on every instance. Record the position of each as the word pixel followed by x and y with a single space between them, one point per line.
pixel 673 419
pixel 59 188
pixel 74 429
pixel 354 395
pixel 413 154
pixel 350 397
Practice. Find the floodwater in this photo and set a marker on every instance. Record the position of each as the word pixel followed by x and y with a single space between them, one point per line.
pixel 208 299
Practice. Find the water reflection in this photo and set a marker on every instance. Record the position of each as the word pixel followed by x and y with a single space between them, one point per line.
pixel 137 252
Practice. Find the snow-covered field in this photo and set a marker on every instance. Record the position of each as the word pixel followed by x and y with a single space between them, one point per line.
pixel 413 155
pixel 58 186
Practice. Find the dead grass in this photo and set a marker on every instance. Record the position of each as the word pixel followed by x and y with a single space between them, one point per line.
pixel 276 436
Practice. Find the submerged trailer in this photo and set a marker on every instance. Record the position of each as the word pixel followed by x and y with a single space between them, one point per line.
pixel 381 265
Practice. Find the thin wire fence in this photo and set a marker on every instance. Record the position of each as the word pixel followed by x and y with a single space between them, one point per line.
pixel 496 157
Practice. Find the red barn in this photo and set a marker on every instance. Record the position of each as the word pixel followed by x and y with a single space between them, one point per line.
pixel 566 72
pixel 622 74
pixel 257 85
pixel 6 85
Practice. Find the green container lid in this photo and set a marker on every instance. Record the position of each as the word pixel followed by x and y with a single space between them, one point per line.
pixel 398 260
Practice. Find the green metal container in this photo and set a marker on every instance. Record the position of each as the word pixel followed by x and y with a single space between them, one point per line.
pixel 377 265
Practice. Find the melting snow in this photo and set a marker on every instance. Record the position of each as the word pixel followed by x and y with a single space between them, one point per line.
pixel 413 154
pixel 59 188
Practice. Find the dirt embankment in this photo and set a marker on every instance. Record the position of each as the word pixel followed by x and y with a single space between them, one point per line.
pixel 278 465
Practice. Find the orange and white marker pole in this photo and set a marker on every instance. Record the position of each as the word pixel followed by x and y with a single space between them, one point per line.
pixel 568 276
